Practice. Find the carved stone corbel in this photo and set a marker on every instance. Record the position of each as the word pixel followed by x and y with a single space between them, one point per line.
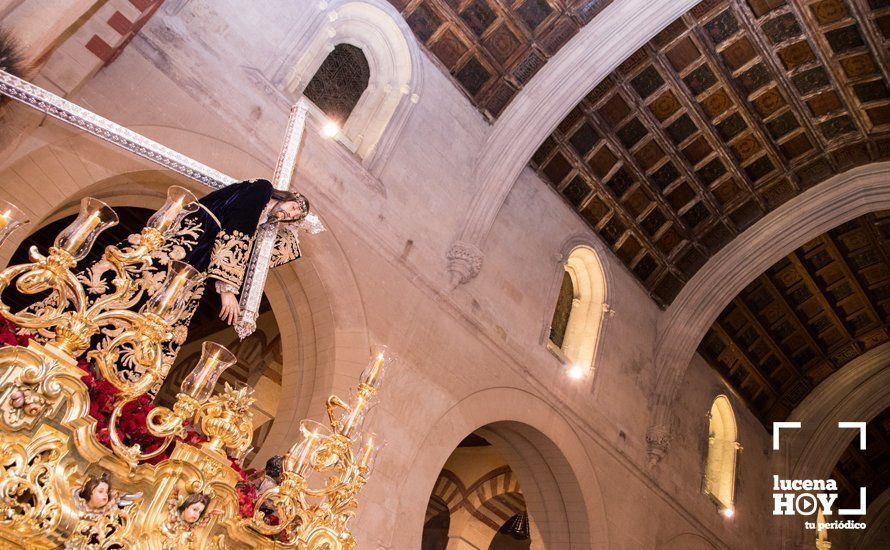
pixel 658 439
pixel 464 262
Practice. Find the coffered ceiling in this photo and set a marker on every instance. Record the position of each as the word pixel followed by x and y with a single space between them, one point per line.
pixel 493 48
pixel 807 316
pixel 730 111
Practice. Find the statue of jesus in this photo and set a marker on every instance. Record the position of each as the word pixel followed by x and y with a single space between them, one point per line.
pixel 216 239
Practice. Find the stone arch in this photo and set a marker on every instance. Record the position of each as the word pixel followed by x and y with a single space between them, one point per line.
pixel 543 450
pixel 436 524
pixel 499 486
pixel 564 80
pixel 877 535
pixel 856 392
pixel 825 206
pixel 324 335
pixel 392 54
pixel 450 490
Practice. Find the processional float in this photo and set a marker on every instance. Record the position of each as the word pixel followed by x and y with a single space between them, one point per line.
pixel 61 486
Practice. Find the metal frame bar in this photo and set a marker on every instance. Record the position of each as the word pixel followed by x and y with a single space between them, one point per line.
pixel 106 130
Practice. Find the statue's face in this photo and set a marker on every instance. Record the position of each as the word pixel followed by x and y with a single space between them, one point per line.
pixel 99 496
pixel 288 210
pixel 193 512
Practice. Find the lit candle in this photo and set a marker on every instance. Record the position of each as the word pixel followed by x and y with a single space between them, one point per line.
pixel 354 416
pixel 304 451
pixel 367 452
pixel 374 374
pixel 170 215
pixel 206 371
pixel 81 233
pixel 174 288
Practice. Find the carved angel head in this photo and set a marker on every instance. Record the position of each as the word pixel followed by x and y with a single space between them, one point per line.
pixel 193 507
pixel 96 491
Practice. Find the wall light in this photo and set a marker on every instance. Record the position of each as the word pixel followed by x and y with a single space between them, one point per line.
pixel 728 512
pixel 576 372
pixel 330 129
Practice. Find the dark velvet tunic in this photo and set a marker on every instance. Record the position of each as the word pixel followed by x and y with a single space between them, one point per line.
pixel 228 220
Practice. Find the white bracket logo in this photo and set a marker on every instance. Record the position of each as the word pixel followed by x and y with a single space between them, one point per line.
pixel 792 496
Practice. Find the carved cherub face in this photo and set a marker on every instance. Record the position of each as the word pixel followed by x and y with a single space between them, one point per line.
pixel 192 512
pixel 98 496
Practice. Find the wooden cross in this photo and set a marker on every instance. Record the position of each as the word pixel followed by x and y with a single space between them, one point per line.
pixel 261 254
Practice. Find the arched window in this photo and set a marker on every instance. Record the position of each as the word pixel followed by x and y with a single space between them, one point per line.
pixel 563 310
pixel 339 82
pixel 577 319
pixel 723 448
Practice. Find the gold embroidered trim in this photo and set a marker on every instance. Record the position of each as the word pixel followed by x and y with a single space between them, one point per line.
pixel 229 257
pixel 286 249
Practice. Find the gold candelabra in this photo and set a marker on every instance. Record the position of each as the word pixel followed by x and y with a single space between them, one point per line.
pixel 315 514
pixel 59 484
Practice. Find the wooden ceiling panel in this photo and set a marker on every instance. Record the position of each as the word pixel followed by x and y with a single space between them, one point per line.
pixel 808 315
pixel 492 48
pixel 732 110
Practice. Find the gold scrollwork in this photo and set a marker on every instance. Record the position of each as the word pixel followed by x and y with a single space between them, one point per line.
pixel 29 503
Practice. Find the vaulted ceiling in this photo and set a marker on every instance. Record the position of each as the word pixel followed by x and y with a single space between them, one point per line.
pixel 493 48
pixel 730 111
pixel 808 315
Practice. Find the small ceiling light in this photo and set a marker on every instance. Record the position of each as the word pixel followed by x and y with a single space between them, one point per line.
pixel 576 372
pixel 330 129
pixel 728 512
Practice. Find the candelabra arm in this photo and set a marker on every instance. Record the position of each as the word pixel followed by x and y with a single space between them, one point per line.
pixel 287 501
pixel 133 455
pixel 331 405
pixel 163 422
pixel 44 273
pixel 144 340
pixel 124 295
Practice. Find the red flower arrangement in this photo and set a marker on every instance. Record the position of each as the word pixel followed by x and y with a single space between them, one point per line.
pixel 9 336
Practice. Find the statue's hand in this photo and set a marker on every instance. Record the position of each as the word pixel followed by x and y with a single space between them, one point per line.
pixel 230 310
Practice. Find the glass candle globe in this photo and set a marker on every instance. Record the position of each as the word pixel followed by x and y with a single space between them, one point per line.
pixel 298 459
pixel 214 360
pixel 180 202
pixel 369 452
pixel 169 301
pixel 381 360
pixel 11 217
pixel 95 217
